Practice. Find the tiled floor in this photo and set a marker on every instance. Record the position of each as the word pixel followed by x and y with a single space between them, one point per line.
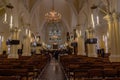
pixel 53 72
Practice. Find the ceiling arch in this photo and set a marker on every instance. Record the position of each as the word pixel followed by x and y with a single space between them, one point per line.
pixel 33 11
pixel 43 6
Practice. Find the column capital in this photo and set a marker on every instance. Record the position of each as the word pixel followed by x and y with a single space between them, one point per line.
pixel 15 29
pixel 91 30
pixel 108 17
pixel 115 16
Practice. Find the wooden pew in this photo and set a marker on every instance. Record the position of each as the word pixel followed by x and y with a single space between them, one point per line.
pixel 9 78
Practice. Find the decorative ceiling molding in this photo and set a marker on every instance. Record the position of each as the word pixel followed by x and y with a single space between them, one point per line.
pixel 35 8
pixel 78 4
pixel 107 3
pixel 72 7
pixel 31 4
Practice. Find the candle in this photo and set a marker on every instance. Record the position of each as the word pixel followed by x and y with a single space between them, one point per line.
pixel 11 21
pixel 97 19
pixel 93 23
pixel 5 18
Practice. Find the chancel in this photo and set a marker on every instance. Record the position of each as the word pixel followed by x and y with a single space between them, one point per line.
pixel 59 40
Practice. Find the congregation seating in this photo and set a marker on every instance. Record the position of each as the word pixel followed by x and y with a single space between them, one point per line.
pixel 77 67
pixel 24 68
pixel 104 79
pixel 9 78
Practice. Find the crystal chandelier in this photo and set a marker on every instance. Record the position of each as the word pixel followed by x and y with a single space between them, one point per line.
pixel 53 16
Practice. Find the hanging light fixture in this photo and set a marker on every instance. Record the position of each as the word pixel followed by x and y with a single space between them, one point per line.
pixel 6 17
pixel 53 16
pixel 95 14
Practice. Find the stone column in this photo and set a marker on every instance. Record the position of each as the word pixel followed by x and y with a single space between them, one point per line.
pixel 14 48
pixel 26 44
pixel 81 47
pixel 92 52
pixel 114 37
pixel 109 20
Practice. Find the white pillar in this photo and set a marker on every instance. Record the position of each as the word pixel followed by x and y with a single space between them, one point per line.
pixel 114 37
pixel 26 45
pixel 116 55
pixel 92 52
pixel 81 47
pixel 14 48
pixel 109 20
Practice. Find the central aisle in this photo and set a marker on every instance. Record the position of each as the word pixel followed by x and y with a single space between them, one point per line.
pixel 53 72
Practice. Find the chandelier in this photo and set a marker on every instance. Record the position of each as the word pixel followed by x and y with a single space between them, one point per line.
pixel 8 19
pixel 53 16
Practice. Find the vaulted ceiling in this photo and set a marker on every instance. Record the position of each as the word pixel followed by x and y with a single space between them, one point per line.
pixel 73 12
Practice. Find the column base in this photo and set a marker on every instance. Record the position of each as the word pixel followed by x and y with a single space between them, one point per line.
pixel 16 56
pixel 37 53
pixel 114 58
pixel 83 54
pixel 26 54
pixel 92 55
